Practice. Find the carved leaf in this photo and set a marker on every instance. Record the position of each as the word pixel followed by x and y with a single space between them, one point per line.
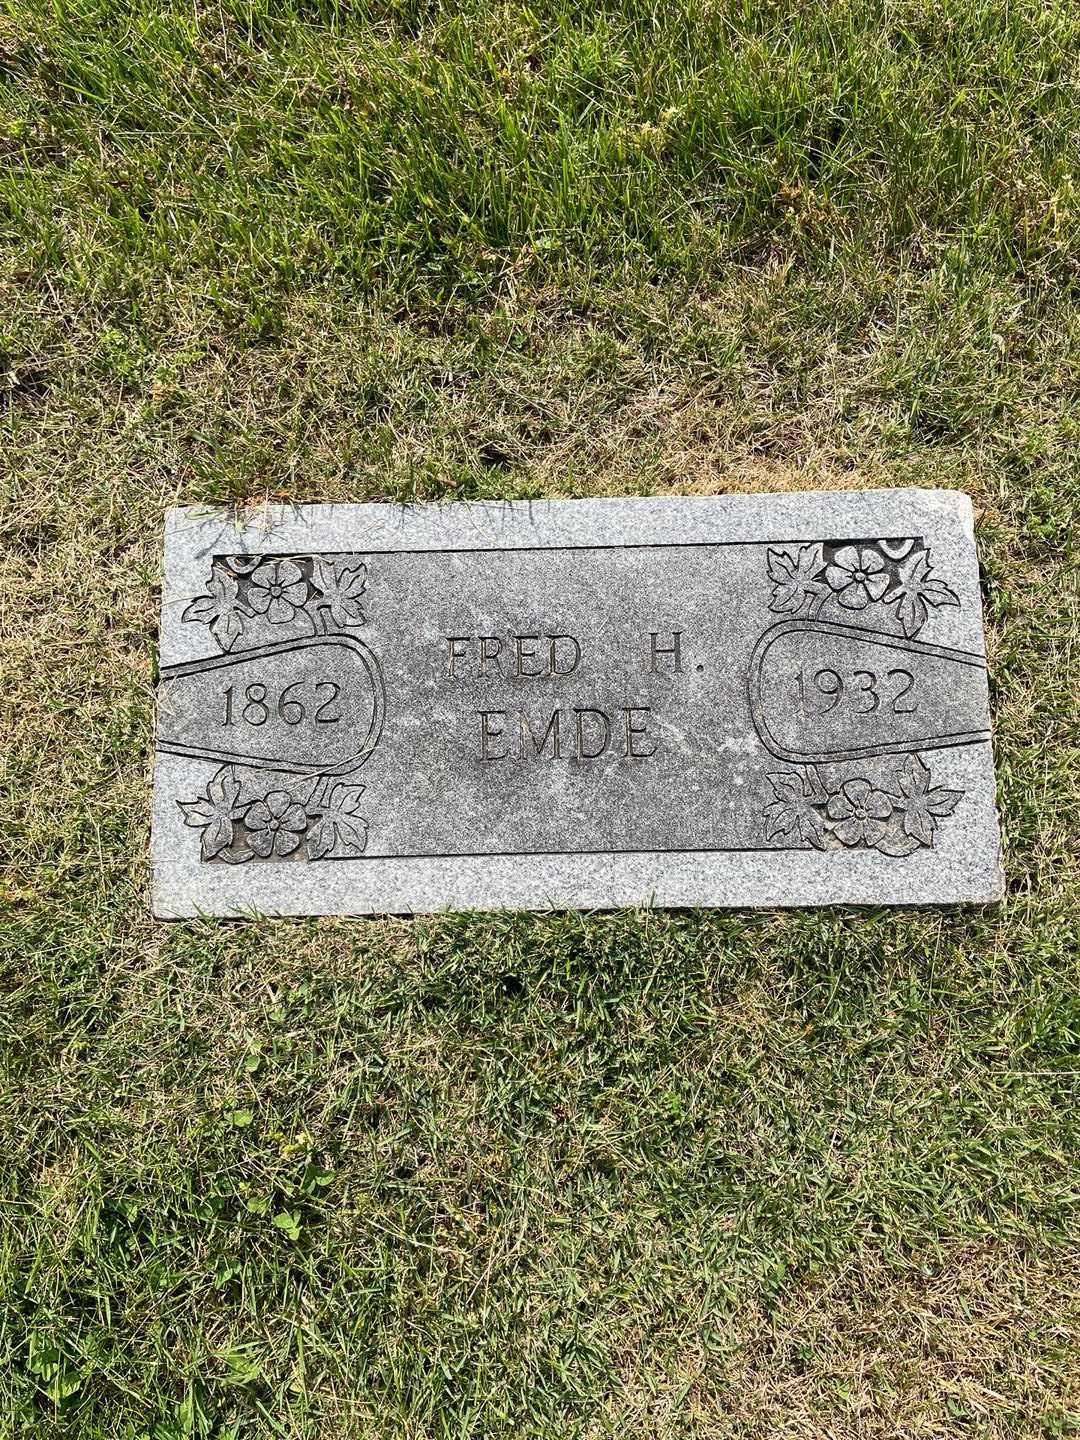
pixel 345 799
pixel 332 832
pixel 352 834
pixel 914 777
pixel 322 574
pixel 220 609
pixel 919 824
pixel 794 582
pixel 203 609
pixel 338 827
pixel 320 839
pixel 915 591
pixel 942 801
pixel 921 804
pixel 214 812
pixel 793 811
pixel 341 589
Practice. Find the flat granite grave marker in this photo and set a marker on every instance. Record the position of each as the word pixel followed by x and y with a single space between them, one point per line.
pixel 748 700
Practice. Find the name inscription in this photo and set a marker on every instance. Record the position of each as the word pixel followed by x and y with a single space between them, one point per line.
pixel 574 733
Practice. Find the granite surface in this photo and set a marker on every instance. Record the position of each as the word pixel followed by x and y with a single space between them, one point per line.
pixel 752 700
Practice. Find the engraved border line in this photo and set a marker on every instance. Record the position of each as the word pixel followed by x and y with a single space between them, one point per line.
pixel 526 854
pixel 360 549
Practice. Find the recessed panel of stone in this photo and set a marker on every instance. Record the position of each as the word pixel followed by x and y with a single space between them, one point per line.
pixel 745 701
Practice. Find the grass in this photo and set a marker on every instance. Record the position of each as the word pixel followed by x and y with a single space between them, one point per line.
pixel 676 1175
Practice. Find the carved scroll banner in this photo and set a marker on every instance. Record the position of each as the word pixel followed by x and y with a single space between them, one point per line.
pixel 759 700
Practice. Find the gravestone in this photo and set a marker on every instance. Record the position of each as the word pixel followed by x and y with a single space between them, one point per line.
pixel 753 700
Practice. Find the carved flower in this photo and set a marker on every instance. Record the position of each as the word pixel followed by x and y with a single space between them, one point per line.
pixel 859 812
pixel 341 590
pixel 214 812
pixel 275 824
pixel 857 575
pixel 277 590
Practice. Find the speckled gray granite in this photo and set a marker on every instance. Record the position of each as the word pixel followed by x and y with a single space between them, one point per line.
pixel 749 700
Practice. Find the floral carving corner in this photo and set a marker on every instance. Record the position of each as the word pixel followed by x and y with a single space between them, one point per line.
pixel 253 600
pixel 278 824
pixel 849 578
pixel 859 813
pixel 244 592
